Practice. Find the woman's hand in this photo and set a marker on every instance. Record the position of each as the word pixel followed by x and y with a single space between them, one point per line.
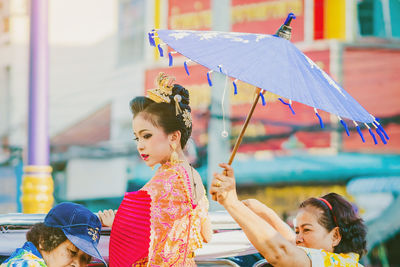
pixel 107 217
pixel 223 186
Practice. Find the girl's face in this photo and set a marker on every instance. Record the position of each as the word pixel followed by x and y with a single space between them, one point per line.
pixel 311 234
pixel 153 144
pixel 65 255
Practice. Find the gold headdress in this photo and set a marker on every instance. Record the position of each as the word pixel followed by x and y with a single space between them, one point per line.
pixel 162 95
pixel 164 90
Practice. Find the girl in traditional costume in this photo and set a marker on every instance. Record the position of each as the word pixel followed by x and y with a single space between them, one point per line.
pixel 167 220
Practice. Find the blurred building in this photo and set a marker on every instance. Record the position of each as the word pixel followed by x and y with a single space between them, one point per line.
pixel 4 72
pixel 90 64
pixel 97 57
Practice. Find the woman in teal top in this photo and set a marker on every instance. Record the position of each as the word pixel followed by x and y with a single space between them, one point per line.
pixel 328 231
pixel 68 237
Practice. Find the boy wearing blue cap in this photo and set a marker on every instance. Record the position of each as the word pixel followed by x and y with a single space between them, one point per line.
pixel 68 237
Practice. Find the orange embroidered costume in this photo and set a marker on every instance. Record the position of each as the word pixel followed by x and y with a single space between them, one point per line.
pixel 158 225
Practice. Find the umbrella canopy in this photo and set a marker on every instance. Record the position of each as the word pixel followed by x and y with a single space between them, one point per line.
pixel 270 63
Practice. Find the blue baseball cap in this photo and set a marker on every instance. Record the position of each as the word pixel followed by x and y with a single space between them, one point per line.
pixel 81 226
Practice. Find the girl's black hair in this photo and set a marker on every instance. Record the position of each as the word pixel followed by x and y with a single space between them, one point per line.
pixel 352 228
pixel 164 114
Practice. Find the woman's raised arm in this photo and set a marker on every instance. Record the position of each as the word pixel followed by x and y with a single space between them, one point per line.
pixel 270 216
pixel 270 243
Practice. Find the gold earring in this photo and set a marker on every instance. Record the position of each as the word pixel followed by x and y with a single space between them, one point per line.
pixel 174 159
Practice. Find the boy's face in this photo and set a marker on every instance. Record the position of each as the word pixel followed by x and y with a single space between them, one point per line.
pixel 66 254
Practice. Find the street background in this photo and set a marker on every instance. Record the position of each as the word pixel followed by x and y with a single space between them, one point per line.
pixel 100 58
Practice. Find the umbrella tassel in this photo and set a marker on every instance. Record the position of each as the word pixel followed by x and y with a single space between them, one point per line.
pixel 359 131
pixel 171 59
pixel 382 130
pixel 235 87
pixel 287 104
pixel 371 133
pixel 262 98
pixel 345 126
pixel 160 50
pixel 208 78
pixel 151 39
pixel 379 132
pixel 290 106
pixel 376 123
pixel 321 123
pixel 186 67
pixel 373 136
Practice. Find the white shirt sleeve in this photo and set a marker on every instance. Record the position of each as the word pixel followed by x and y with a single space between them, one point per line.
pixel 315 255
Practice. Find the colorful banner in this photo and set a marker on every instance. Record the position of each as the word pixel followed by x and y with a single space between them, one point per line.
pixel 371 76
pixel 335 19
pixel 318 19
pixel 189 15
pixel 255 16
pixel 266 16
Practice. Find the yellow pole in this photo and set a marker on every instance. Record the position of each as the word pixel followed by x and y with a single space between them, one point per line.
pixel 157 23
pixel 335 19
pixel 37 189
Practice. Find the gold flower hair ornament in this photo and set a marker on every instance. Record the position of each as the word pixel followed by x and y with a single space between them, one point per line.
pixel 187 118
pixel 162 95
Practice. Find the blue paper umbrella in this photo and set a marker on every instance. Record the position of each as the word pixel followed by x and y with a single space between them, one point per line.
pixel 269 63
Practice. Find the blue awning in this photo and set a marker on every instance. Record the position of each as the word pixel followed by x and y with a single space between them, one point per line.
pixel 387 224
pixel 304 168
pixel 382 184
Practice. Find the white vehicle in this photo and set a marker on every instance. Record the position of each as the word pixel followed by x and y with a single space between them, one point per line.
pixel 229 245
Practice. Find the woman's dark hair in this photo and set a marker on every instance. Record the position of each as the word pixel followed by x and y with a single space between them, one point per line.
pixel 351 226
pixel 164 114
pixel 45 237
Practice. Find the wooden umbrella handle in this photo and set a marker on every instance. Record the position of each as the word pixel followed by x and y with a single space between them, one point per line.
pixel 243 130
